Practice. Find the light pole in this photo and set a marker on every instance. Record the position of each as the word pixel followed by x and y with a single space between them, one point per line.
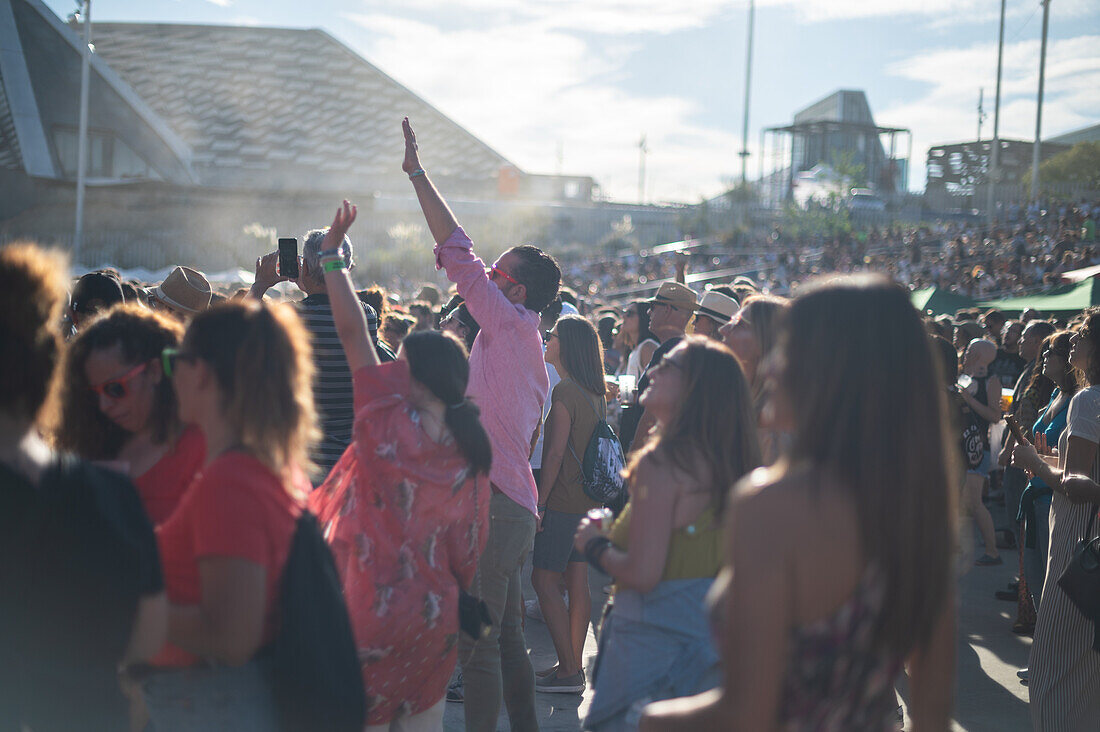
pixel 995 153
pixel 82 138
pixel 748 83
pixel 1039 107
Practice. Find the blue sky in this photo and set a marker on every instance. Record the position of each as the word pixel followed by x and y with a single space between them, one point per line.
pixel 586 78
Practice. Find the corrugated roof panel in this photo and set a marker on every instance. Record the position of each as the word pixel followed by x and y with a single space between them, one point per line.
pixel 298 98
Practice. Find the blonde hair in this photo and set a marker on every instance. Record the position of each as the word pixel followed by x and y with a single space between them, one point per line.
pixel 263 363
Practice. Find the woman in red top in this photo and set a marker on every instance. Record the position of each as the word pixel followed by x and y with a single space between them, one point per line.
pixel 406 507
pixel 117 406
pixel 242 376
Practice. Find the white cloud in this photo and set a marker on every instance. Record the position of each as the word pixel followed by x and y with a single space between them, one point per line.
pixel 221 3
pixel 947 111
pixel 526 76
pixel 529 86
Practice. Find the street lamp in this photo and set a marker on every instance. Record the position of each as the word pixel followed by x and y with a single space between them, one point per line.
pixel 82 137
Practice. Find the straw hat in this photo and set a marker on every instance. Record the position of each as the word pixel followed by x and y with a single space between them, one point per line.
pixel 185 289
pixel 718 307
pixel 675 295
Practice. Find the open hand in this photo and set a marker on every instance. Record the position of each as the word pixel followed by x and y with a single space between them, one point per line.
pixel 412 158
pixel 343 220
pixel 1041 445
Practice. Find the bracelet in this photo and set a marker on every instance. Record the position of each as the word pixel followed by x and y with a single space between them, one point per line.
pixel 334 265
pixel 594 549
pixel 417 173
pixel 328 253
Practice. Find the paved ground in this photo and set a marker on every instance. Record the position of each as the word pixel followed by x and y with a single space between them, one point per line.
pixel 988 695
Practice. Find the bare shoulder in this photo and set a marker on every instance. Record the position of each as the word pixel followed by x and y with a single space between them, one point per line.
pixel 794 496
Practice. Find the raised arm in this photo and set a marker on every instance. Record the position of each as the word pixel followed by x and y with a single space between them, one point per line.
pixel 440 220
pixel 347 312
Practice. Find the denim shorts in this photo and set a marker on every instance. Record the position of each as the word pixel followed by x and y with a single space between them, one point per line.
pixel 984 467
pixel 554 544
pixel 235 698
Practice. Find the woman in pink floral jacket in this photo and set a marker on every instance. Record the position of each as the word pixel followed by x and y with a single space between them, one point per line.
pixel 405 509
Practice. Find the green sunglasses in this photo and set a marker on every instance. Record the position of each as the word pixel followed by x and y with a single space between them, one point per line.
pixel 169 357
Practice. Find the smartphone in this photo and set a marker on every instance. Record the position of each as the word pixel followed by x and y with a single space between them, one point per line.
pixel 1014 428
pixel 288 258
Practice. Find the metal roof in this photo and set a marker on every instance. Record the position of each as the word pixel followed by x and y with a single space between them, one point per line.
pixel 285 108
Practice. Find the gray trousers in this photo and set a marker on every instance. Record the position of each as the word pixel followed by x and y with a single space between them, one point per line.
pixel 497 667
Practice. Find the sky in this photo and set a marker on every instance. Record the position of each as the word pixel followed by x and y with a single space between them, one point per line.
pixel 572 86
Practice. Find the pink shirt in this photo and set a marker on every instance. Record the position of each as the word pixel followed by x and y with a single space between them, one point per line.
pixel 508 379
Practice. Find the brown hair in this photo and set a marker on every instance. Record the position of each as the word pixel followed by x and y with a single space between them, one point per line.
pixel 1090 330
pixel 712 436
pixel 34 282
pixel 141 334
pixel 261 358
pixel 848 344
pixel 438 361
pixel 581 354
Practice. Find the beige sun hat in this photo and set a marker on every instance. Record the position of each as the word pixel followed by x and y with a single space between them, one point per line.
pixel 718 307
pixel 184 289
pixel 675 295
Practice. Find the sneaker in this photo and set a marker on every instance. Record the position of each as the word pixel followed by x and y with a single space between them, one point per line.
pixel 987 561
pixel 532 610
pixel 554 684
pixel 546 672
pixel 454 689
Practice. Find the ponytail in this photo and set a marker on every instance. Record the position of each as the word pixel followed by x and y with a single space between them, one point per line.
pixel 438 361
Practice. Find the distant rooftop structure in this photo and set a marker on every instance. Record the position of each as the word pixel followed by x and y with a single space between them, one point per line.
pixel 839 131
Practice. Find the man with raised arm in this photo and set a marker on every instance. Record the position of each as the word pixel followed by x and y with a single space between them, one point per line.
pixel 508 382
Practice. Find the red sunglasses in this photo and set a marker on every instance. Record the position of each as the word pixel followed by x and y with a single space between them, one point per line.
pixel 118 388
pixel 495 270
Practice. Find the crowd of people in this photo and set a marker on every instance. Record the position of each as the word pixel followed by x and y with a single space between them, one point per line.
pixel 782 543
pixel 1014 255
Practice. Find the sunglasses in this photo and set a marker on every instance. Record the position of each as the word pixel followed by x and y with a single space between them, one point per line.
pixel 547 335
pixel 495 270
pixel 119 387
pixel 169 357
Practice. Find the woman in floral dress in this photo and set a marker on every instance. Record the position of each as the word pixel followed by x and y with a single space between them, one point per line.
pixel 405 509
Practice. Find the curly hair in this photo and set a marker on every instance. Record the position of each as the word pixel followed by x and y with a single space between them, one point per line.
pixel 141 334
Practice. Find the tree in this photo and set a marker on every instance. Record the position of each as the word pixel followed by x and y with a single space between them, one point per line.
pixel 1079 165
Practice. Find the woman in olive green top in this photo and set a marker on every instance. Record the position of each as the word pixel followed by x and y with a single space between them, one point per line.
pixel 665 549
pixel 577 404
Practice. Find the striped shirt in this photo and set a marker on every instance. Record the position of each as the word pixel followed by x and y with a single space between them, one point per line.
pixel 1064 682
pixel 332 389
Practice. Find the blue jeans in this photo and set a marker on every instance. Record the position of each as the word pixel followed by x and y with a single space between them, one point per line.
pixel 202 698
pixel 652 646
pixel 1035 560
pixel 497 667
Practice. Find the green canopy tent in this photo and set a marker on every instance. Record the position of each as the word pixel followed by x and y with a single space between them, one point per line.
pixel 940 301
pixel 1063 300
